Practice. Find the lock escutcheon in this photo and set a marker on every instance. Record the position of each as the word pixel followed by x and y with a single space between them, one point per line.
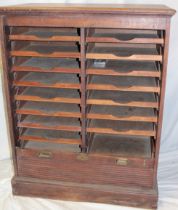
pixel 45 154
pixel 82 156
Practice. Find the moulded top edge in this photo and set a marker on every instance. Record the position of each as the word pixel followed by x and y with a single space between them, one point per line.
pixel 88 8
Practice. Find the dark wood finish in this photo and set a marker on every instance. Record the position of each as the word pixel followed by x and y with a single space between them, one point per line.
pixel 81 20
pixel 7 90
pixel 91 8
pixel 161 101
pixel 92 166
pixel 136 197
pixel 85 87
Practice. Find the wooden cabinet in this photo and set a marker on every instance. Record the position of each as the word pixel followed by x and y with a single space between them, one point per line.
pixel 85 89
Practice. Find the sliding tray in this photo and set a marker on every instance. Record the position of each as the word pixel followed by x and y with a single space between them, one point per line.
pixel 30 135
pixel 121 113
pixel 124 53
pixel 49 95
pixel 121 128
pixel 48 65
pixel 47 50
pixel 45 34
pixel 49 109
pixel 125 36
pixel 137 84
pixel 54 80
pixel 117 98
pixel 123 68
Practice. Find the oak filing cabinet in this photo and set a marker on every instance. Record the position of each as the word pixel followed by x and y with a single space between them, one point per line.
pixel 85 90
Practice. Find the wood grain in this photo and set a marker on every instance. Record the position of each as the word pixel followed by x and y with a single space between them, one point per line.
pixel 85 89
pixel 136 197
pixel 91 8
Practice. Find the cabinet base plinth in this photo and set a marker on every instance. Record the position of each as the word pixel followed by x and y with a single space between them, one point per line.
pixel 127 196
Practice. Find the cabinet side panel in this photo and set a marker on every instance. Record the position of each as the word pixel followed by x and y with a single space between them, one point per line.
pixel 6 89
pixel 162 95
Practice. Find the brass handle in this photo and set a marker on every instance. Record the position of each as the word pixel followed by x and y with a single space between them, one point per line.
pixel 122 161
pixel 45 154
pixel 82 156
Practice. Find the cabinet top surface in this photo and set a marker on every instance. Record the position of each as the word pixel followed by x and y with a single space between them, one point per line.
pixel 88 8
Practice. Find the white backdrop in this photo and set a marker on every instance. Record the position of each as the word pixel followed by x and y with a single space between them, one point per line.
pixel 168 168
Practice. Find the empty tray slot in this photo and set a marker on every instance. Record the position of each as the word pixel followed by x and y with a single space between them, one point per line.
pixel 52 146
pixel 55 80
pixel 124 53
pixel 48 65
pixel 47 50
pixel 123 68
pixel 141 84
pixel 49 109
pixel 49 95
pixel 125 36
pixel 128 146
pixel 121 127
pixel 121 113
pixel 50 123
pixel 41 136
pixel 117 98
pixel 44 34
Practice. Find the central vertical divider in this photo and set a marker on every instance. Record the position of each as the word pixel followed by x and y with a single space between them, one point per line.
pixel 83 87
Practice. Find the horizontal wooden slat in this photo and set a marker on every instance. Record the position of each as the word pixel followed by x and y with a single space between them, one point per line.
pixel 125 38
pixel 48 65
pixel 128 132
pixel 55 80
pixel 117 98
pixel 139 84
pixel 121 113
pixel 124 68
pixel 55 38
pixel 118 53
pixel 45 34
pixel 121 128
pixel 51 136
pixel 49 109
pixel 49 95
pixel 49 51
pixel 50 123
